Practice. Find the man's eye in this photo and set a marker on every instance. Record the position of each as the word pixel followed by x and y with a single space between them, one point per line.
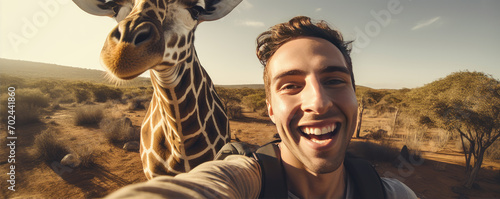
pixel 334 82
pixel 289 87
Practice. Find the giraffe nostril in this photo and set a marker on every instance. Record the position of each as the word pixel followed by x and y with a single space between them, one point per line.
pixel 142 36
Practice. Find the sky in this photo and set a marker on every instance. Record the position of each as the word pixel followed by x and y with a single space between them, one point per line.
pixel 397 43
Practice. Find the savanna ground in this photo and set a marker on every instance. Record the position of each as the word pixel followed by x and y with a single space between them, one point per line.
pixel 438 173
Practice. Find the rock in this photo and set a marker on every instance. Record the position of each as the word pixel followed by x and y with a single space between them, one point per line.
pixel 71 160
pixel 131 146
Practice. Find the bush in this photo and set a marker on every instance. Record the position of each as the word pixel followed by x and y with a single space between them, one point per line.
pixel 234 111
pixel 494 151
pixel 87 157
pixel 81 95
pixel 255 101
pixel 414 138
pixel 439 140
pixel 28 105
pixel 89 115
pixel 48 148
pixel 138 103
pixel 377 134
pixel 103 93
pixel 119 130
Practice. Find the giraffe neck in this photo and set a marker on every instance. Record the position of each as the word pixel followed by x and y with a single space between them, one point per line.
pixel 186 123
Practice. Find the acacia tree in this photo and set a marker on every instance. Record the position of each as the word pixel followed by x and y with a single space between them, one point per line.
pixel 467 103
pixel 366 97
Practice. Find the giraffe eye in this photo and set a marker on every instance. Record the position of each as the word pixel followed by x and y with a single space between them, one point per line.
pixel 195 11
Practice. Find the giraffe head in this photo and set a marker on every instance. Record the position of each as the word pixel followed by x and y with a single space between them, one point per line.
pixel 152 34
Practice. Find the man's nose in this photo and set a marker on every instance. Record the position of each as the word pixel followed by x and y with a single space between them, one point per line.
pixel 315 99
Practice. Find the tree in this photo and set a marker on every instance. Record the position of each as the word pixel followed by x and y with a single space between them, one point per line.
pixel 366 97
pixel 228 96
pixel 467 103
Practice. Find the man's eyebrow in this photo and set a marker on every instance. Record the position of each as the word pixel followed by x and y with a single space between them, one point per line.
pixel 289 73
pixel 331 69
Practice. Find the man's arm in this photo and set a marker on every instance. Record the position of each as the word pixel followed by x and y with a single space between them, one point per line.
pixel 234 177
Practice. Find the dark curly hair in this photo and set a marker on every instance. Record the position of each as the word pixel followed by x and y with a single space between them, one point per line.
pixel 269 41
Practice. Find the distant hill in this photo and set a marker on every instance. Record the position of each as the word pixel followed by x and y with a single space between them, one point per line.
pixel 36 70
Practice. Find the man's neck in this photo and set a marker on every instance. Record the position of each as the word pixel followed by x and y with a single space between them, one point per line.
pixel 306 184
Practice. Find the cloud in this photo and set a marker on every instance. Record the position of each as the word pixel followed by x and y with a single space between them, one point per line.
pixel 317 10
pixel 426 23
pixel 245 4
pixel 251 23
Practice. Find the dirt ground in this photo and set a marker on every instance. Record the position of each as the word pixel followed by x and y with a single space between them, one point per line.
pixel 438 175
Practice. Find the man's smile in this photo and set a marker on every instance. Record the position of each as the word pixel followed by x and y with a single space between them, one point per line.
pixel 320 135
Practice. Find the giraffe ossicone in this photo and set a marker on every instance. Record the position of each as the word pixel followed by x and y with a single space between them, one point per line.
pixel 186 123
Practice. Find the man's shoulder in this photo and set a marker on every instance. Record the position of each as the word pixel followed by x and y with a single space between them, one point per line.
pixel 396 189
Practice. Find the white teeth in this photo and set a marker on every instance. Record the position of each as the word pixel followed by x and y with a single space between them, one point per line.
pixel 318 141
pixel 318 130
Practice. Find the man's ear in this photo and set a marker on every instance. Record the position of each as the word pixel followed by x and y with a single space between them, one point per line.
pixel 270 110
pixel 96 7
pixel 216 9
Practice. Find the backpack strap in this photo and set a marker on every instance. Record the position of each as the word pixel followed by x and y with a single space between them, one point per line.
pixel 366 181
pixel 234 148
pixel 273 174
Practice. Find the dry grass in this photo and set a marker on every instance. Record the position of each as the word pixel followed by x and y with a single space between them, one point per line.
pixel 439 140
pixel 378 134
pixel 48 148
pixel 88 115
pixel 119 130
pixel 29 104
pixel 493 152
pixel 87 157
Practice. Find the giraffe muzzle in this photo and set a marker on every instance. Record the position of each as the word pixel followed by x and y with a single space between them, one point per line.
pixel 133 47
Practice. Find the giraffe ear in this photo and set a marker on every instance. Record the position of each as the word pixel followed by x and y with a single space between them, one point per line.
pixel 216 9
pixel 96 7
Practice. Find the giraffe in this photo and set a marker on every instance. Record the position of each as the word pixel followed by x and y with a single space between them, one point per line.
pixel 185 124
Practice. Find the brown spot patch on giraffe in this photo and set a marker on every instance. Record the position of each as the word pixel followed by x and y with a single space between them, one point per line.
pixel 168 94
pixel 211 130
pixel 146 6
pixel 191 125
pixel 196 144
pixel 173 40
pixel 198 78
pixel 203 107
pixel 158 168
pixel 178 164
pixel 182 55
pixel 174 56
pixel 166 63
pixel 182 41
pixel 190 37
pixel 161 5
pixel 222 123
pixel 151 14
pixel 221 143
pixel 184 83
pixel 187 106
pixel 190 58
pixel 209 155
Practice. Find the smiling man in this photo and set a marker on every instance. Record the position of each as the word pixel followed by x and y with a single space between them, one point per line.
pixel 311 98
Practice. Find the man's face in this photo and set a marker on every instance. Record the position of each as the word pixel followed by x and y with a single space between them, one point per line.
pixel 312 102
